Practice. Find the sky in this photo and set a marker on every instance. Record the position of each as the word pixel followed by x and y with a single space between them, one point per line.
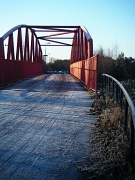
pixel 111 23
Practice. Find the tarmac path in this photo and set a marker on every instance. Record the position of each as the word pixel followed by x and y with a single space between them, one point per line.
pixel 44 128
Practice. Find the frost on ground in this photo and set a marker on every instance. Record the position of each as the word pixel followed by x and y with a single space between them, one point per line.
pixel 109 142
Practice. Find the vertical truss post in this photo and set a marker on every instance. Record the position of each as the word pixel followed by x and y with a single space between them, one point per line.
pixel 19 51
pixel 82 45
pixel 10 51
pixel 2 54
pixel 32 47
pixel 26 47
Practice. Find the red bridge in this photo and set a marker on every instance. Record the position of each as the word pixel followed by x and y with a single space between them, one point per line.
pixel 22 58
pixel 44 120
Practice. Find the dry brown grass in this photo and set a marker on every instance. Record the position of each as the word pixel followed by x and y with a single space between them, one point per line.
pixel 109 143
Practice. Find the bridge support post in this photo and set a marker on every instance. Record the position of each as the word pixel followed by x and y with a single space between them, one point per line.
pixel 1 49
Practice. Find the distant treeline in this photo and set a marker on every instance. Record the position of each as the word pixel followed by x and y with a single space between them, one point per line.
pixel 122 68
pixel 57 65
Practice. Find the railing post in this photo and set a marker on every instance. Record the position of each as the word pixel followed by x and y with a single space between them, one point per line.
pixel 126 114
pixel 105 82
pixel 113 87
pixel 132 134
pixel 116 92
pixel 109 84
pixel 121 98
pixel 102 81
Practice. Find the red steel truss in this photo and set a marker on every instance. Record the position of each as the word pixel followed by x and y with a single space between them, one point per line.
pixel 24 58
pixel 20 60
pixel 82 63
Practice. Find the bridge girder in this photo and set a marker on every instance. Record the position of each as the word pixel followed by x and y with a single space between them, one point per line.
pixel 82 42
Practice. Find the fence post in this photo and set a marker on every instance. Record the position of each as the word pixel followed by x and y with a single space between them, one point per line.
pixel 126 115
pixel 102 81
pixel 116 92
pixel 121 98
pixel 113 87
pixel 105 82
pixel 132 134
pixel 109 84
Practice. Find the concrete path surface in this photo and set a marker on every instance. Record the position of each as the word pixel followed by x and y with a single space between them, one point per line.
pixel 44 128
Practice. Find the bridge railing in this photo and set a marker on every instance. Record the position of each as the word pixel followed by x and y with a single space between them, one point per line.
pixel 86 71
pixel 112 85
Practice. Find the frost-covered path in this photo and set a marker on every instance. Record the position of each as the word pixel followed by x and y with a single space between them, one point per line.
pixel 44 128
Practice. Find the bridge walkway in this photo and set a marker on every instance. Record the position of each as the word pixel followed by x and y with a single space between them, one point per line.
pixel 44 128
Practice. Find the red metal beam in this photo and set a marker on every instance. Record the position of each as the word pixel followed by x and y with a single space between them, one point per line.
pixel 10 50
pixel 26 47
pixel 66 44
pixel 19 51
pixel 2 53
pixel 51 27
pixel 57 45
pixel 59 38
pixel 50 35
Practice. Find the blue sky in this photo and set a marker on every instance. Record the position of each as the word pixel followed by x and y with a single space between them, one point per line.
pixel 109 22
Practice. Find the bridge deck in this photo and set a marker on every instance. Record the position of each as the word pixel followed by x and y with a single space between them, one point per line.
pixel 44 128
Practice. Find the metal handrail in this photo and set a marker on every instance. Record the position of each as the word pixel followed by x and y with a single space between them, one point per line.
pixel 120 93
